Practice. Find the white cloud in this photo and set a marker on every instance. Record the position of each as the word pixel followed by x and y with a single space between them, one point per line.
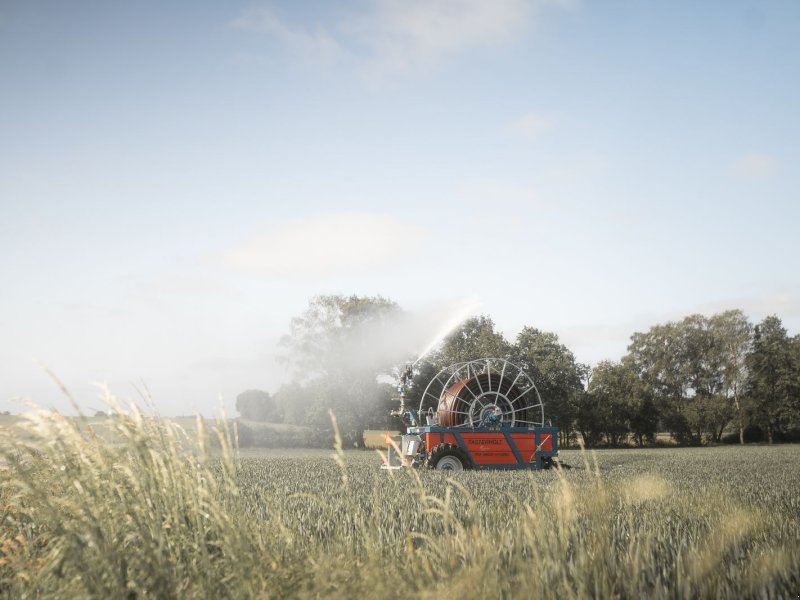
pixel 785 303
pixel 532 125
pixel 328 245
pixel 417 35
pixel 393 37
pixel 756 166
pixel 318 46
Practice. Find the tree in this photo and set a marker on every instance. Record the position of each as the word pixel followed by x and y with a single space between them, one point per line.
pixel 657 358
pixel 616 404
pixel 792 409
pixel 291 400
pixel 734 336
pixel 588 421
pixel 558 377
pixel 644 417
pixel 693 371
pixel 772 378
pixel 474 339
pixel 337 335
pixel 337 348
pixel 257 405
pixel 707 408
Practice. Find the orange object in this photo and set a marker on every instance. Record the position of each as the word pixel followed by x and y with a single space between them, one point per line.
pixel 492 447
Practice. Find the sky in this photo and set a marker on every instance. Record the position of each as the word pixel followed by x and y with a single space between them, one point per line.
pixel 178 179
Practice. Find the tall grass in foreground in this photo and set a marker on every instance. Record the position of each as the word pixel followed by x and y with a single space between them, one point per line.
pixel 152 514
pixel 149 513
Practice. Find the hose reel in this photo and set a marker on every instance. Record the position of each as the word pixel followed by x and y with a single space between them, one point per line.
pixel 483 391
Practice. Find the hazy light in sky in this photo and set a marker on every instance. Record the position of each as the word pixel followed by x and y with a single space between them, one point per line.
pixel 325 245
pixel 177 180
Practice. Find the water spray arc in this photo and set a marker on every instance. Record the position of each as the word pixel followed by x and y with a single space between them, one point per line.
pixel 460 315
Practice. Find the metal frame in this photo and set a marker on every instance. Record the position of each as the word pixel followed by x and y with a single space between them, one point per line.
pixel 488 401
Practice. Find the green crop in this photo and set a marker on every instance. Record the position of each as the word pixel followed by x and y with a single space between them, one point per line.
pixel 147 512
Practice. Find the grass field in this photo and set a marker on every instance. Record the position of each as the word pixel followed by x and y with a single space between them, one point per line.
pixel 146 517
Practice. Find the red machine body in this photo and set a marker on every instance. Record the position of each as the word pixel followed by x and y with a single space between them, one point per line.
pixel 488 415
pixel 488 448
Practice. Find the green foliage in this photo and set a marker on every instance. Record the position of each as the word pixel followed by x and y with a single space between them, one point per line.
pixel 359 403
pixel 257 405
pixel 616 404
pixel 707 373
pixel 734 337
pixel 475 338
pixel 773 387
pixel 291 399
pixel 694 370
pixel 337 335
pixel 558 377
pixel 695 378
pixel 338 348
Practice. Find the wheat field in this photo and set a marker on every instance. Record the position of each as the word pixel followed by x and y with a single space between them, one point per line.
pixel 151 512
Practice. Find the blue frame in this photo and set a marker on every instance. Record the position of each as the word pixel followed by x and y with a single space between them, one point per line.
pixel 507 431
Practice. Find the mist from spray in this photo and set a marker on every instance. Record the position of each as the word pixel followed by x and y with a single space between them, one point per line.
pixel 468 307
pixel 388 341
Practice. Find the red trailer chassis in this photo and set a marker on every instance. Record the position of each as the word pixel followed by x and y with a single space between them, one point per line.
pixel 474 448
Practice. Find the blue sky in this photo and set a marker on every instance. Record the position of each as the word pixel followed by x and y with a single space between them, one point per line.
pixel 177 179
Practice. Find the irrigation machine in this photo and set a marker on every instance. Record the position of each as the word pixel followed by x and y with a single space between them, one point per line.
pixel 481 414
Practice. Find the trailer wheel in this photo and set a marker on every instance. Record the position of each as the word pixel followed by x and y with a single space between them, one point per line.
pixel 447 457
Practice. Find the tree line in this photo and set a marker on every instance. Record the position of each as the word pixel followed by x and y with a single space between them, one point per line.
pixel 701 379
pixel 698 378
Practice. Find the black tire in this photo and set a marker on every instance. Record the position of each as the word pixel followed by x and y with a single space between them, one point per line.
pixel 447 457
